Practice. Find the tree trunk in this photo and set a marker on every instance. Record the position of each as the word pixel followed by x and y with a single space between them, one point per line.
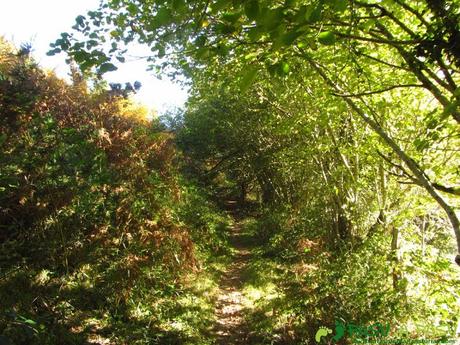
pixel 394 256
pixel 410 163
pixel 242 196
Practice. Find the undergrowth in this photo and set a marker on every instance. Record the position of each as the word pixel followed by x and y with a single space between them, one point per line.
pixel 102 239
pixel 296 283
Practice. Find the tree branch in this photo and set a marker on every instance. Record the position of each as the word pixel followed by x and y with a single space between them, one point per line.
pixel 442 188
pixel 381 61
pixel 449 190
pixel 379 40
pixel 411 164
pixel 413 11
pixel 222 160
pixel 367 93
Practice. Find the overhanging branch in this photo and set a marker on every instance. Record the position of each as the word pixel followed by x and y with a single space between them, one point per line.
pixel 368 93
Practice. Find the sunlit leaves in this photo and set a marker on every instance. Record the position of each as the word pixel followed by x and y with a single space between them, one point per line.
pixel 231 17
pixel 132 9
pixel 269 18
pixel 279 69
pixel 248 78
pixel 164 16
pixel 281 24
pixel 327 38
pixel 284 67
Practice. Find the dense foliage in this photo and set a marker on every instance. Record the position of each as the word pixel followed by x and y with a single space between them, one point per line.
pixel 334 124
pixel 363 52
pixel 99 230
pixel 350 242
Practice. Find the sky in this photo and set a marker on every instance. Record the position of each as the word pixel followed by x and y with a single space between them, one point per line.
pixel 40 22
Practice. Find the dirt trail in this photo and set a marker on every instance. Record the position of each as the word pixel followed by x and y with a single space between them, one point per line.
pixel 230 328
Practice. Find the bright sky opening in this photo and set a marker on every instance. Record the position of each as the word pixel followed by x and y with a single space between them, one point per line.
pixel 41 22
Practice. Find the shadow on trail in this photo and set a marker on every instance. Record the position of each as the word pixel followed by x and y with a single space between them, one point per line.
pixel 230 327
pixel 252 306
pixel 232 304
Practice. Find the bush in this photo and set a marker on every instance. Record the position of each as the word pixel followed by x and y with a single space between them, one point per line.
pixel 98 226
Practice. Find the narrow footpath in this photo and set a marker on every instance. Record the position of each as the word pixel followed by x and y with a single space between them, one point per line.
pixel 230 327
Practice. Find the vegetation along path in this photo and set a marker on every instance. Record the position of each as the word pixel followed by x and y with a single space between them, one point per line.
pixel 310 183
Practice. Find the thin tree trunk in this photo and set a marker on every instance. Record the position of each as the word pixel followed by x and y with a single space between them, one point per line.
pixel 423 236
pixel 410 163
pixel 395 258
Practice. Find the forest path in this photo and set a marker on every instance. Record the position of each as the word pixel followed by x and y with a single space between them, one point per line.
pixel 230 326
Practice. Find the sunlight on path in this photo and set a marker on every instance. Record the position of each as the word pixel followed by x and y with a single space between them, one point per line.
pixel 230 327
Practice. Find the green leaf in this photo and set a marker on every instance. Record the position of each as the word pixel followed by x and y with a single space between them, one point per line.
pixel 231 17
pixel 248 78
pixel 164 16
pixel 53 52
pixel 251 56
pixel 161 51
pixel 272 18
pixel 432 123
pixel 202 53
pixel 314 15
pixel 290 37
pixel 222 50
pixel 450 109
pixel 327 38
pixel 272 69
pixel 30 322
pixel 457 92
pixel 251 9
pixel 80 56
pixel 179 6
pixel 3 138
pixel 27 321
pixel 132 9
pixel 91 44
pixel 80 20
pixel 255 34
pixel 107 67
pixel 86 65
pixel 421 144
pixel 200 41
pixel 284 68
pixel 340 5
pixel 225 29
pixel 220 5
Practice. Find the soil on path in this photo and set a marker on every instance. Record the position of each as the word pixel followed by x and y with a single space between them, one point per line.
pixel 230 327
